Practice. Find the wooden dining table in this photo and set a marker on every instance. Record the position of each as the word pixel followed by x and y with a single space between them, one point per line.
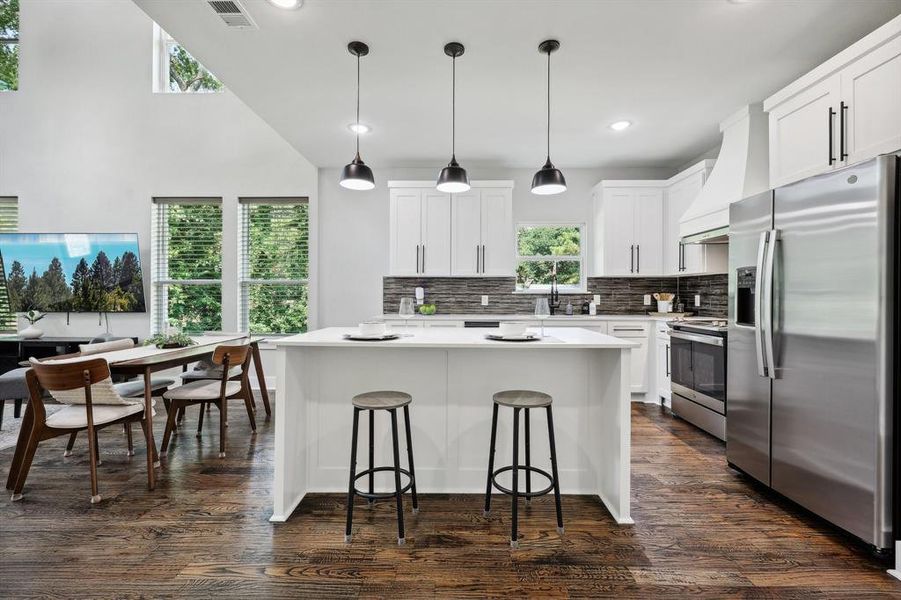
pixel 152 360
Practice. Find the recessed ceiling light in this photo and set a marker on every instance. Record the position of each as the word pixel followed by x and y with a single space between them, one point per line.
pixel 288 4
pixel 620 125
pixel 359 128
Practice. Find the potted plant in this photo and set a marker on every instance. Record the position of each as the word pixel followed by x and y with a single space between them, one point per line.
pixel 171 340
pixel 31 332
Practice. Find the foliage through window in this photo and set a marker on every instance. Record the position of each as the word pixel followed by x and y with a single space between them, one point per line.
pixel 187 264
pixel 9 222
pixel 179 72
pixel 9 45
pixel 543 249
pixel 274 264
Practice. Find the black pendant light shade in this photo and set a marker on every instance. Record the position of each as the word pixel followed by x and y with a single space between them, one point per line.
pixel 357 175
pixel 548 180
pixel 453 178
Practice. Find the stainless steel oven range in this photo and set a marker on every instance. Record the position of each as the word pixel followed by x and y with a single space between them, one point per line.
pixel 698 371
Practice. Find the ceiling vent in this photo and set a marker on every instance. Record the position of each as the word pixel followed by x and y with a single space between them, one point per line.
pixel 232 13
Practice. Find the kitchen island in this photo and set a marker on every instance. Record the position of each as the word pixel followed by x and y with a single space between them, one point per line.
pixel 452 375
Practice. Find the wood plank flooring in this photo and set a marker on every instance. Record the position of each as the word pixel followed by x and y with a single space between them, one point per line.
pixel 701 531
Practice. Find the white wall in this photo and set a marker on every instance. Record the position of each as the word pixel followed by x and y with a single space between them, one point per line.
pixel 353 228
pixel 85 144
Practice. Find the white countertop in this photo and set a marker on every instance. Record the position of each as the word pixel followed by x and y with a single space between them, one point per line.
pixel 520 317
pixel 442 337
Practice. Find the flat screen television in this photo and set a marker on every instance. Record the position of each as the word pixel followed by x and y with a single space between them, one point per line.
pixel 72 272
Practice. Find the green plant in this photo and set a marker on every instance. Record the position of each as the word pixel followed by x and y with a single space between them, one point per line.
pixel 173 340
pixel 33 316
pixel 427 309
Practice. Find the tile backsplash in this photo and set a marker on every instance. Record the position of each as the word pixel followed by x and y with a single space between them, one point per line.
pixel 619 295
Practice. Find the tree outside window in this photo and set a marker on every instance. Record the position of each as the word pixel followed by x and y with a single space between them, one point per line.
pixel 179 72
pixel 542 249
pixel 9 45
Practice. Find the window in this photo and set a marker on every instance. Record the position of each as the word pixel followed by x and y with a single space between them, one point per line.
pixel 9 45
pixel 186 263
pixel 9 221
pixel 543 249
pixel 176 70
pixel 274 264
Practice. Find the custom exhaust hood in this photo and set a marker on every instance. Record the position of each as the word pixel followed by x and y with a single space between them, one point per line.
pixel 741 170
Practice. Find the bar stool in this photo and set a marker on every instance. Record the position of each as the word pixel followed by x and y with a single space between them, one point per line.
pixel 523 400
pixel 373 401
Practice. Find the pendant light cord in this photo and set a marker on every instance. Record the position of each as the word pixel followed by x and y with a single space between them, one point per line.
pixel 549 105
pixel 357 123
pixel 454 107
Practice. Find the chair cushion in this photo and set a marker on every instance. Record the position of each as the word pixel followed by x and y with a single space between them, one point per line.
pixel 75 416
pixel 98 347
pixel 381 400
pixel 202 390
pixel 12 384
pixel 210 373
pixel 135 388
pixel 523 399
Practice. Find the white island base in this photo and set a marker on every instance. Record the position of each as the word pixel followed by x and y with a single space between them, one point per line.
pixel 451 375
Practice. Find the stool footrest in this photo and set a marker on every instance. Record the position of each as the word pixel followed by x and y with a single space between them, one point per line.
pixel 383 495
pixel 527 495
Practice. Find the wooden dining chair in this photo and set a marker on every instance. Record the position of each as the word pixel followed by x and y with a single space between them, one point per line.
pixel 213 392
pixel 91 403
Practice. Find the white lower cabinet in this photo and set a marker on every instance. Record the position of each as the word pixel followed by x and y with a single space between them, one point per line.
pixel 635 331
pixel 663 369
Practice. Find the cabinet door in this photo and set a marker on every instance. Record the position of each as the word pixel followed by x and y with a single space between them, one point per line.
pixel 497 232
pixel 436 234
pixel 679 197
pixel 466 233
pixel 619 226
pixel 405 231
pixel 871 91
pixel 639 365
pixel 648 235
pixel 800 145
pixel 663 387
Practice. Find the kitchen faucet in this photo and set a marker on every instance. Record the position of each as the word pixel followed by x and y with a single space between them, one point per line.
pixel 554 301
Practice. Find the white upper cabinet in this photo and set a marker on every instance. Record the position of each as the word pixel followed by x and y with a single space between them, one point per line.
pixel 842 112
pixel 439 235
pixel 629 217
pixel 688 259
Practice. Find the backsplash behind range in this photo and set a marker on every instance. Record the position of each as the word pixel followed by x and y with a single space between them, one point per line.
pixel 619 295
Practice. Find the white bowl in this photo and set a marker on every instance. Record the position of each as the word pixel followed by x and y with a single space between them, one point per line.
pixel 512 329
pixel 372 328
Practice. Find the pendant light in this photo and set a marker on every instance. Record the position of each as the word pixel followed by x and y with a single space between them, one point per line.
pixel 548 179
pixel 453 178
pixel 356 175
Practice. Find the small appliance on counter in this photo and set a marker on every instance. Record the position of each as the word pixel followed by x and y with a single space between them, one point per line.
pixel 698 372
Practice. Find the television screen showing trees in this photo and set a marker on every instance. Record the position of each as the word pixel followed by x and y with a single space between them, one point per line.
pixel 77 272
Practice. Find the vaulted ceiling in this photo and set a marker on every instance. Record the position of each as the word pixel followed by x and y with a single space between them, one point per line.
pixel 674 68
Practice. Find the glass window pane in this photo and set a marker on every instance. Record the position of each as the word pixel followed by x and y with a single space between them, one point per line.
pixel 194 241
pixel 9 67
pixel 186 75
pixel 277 241
pixel 549 241
pixel 195 308
pixel 274 308
pixel 531 274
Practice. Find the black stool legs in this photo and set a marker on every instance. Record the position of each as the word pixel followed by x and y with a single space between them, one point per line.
pixel 399 490
pixel 515 494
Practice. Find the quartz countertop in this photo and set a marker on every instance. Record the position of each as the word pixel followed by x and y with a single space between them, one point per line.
pixel 520 317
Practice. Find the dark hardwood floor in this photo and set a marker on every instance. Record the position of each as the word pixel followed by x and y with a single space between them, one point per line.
pixel 701 531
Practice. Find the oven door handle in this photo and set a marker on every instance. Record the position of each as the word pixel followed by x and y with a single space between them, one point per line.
pixel 701 339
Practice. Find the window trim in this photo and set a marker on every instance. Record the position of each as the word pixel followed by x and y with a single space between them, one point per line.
pixel 9 322
pixel 244 282
pixel 158 301
pixel 582 258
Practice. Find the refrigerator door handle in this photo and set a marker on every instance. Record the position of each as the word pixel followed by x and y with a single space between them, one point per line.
pixel 768 273
pixel 758 309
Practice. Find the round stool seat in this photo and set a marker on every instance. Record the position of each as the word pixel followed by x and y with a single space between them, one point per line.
pixel 523 399
pixel 384 400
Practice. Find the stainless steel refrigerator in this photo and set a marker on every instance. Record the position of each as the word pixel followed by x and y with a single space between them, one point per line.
pixel 813 300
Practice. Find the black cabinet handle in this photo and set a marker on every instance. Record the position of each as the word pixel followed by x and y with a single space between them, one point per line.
pixel 831 135
pixel 423 258
pixel 417 258
pixel 632 258
pixel 477 258
pixel 483 258
pixel 638 258
pixel 667 362
pixel 841 131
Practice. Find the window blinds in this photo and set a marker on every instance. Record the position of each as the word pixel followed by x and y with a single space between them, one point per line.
pixel 186 257
pixel 274 264
pixel 9 222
